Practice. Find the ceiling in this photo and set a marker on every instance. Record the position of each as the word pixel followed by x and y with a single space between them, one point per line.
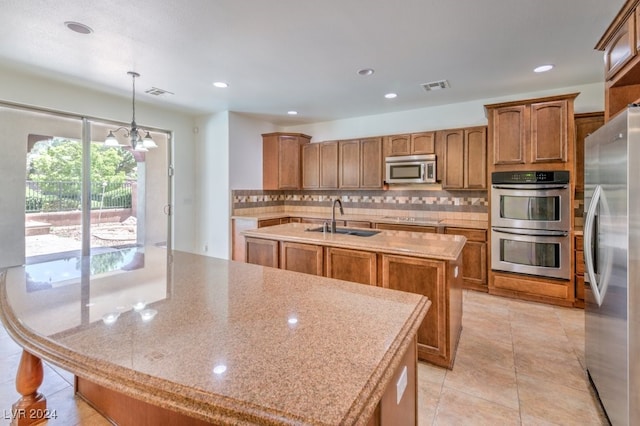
pixel 281 55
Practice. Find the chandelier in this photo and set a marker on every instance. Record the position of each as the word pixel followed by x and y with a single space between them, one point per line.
pixel 138 143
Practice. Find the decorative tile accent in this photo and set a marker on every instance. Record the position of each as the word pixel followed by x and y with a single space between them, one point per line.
pixel 418 200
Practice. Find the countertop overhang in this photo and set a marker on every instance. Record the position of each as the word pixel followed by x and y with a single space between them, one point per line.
pixel 296 348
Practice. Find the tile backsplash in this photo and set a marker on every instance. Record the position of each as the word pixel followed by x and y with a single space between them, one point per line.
pixel 411 202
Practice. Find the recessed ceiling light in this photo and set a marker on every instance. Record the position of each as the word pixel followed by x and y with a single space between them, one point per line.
pixel 543 68
pixel 78 27
pixel 221 84
pixel 391 95
pixel 292 112
pixel 366 71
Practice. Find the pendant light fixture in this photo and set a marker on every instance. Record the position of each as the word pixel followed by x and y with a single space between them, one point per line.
pixel 138 143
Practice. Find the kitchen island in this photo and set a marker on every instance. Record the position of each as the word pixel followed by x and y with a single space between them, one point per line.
pixel 171 336
pixel 416 262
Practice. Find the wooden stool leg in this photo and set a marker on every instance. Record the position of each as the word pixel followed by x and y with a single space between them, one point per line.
pixel 32 407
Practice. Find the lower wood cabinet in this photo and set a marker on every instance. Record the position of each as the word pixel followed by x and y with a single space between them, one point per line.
pixel 239 225
pixel 351 265
pixel 262 252
pixel 440 281
pixel 474 254
pixel 410 228
pixel 579 271
pixel 299 257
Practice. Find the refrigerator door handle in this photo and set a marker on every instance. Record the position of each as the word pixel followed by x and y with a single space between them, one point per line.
pixel 588 239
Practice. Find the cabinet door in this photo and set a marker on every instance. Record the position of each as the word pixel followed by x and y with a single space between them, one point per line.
pixel 329 165
pixel 453 174
pixel 549 132
pixel 311 166
pixel 289 163
pixel 585 125
pixel 349 164
pixel 305 258
pixel 397 145
pixel 475 158
pixel 351 265
pixel 474 257
pixel 426 277
pixel 261 252
pixel 371 163
pixel 509 126
pixel 423 143
pixel 621 48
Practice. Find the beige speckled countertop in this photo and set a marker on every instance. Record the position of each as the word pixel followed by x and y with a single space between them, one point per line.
pixel 456 223
pixel 230 342
pixel 417 244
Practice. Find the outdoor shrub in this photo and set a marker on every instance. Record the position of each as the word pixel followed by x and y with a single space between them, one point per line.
pixel 33 203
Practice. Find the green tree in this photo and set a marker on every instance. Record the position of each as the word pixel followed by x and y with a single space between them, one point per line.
pixel 61 160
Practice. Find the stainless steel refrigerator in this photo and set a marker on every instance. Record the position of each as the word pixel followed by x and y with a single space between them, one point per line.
pixel 612 260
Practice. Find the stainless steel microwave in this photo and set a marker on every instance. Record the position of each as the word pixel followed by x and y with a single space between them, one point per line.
pixel 411 169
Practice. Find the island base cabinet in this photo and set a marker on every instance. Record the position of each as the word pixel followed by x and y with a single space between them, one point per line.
pixel 125 410
pixel 351 265
pixel 441 283
pixel 305 258
pixel 261 252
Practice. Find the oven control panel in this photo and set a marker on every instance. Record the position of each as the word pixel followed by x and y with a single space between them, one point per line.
pixel 543 176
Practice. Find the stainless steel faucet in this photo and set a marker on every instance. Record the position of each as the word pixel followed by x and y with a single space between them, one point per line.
pixel 333 213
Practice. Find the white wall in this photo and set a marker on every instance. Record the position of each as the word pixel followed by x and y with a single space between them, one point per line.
pixel 26 89
pixel 245 141
pixel 450 116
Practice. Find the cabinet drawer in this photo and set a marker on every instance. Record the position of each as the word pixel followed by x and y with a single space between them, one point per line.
pixel 410 228
pixel 534 287
pixel 470 234
pixel 579 242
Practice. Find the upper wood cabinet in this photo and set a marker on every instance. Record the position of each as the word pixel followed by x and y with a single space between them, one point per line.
pixel 311 166
pixel 360 163
pixel 621 45
pixel 281 160
pixel 409 144
pixel 465 158
pixel 532 133
pixel 320 165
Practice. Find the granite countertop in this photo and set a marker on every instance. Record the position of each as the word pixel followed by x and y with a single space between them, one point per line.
pixel 230 342
pixel 416 244
pixel 457 223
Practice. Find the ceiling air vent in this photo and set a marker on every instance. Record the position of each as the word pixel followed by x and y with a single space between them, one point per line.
pixel 435 85
pixel 157 92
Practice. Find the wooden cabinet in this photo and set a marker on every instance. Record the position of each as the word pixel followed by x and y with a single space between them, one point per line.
pixel 360 164
pixel 409 144
pixel 311 166
pixel 586 124
pixel 281 158
pixel 441 282
pixel 474 257
pixel 306 258
pixel 620 44
pixel 465 158
pixel 351 265
pixel 403 227
pixel 531 134
pixel 579 271
pixel 262 252
pixel 320 165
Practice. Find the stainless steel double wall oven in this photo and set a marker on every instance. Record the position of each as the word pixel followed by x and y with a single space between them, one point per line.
pixel 531 223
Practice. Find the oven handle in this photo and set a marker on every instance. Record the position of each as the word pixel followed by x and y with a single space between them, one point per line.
pixel 529 186
pixel 531 232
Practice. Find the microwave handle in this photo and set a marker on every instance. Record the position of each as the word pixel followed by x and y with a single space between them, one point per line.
pixel 423 171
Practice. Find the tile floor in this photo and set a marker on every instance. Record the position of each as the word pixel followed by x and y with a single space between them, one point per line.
pixel 518 363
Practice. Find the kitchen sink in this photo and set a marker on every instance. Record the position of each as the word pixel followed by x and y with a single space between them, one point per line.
pixel 348 231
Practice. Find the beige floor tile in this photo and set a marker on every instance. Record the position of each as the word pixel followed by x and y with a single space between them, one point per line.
pixel 458 408
pixel 431 373
pixel 428 399
pixel 550 366
pixel 556 403
pixel 474 347
pixel 490 382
